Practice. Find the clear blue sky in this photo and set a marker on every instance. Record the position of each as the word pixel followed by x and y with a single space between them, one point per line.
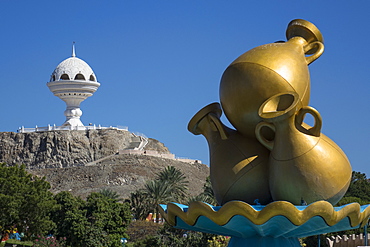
pixel 159 62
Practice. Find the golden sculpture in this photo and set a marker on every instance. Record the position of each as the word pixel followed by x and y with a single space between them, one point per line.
pixel 265 95
pixel 304 164
pixel 267 70
pixel 237 161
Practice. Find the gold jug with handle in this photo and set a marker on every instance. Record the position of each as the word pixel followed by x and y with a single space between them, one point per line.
pixel 267 70
pixel 238 165
pixel 304 163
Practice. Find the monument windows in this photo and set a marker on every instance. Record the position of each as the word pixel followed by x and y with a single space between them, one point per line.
pixel 80 77
pixel 64 77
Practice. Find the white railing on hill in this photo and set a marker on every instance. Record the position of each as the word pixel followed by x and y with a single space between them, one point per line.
pixel 52 128
pixel 143 140
pixel 158 154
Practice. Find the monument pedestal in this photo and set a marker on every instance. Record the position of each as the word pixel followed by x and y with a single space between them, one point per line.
pixel 277 224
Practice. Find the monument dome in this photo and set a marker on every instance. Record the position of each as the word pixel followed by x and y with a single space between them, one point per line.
pixel 73 81
pixel 73 68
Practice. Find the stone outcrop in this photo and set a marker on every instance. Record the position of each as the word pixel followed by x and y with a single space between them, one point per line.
pixel 88 161
pixel 122 173
pixel 52 149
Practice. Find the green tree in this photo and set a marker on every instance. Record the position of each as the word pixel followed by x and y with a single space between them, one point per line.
pixel 25 201
pixel 100 221
pixel 69 214
pixel 110 194
pixel 138 230
pixel 107 214
pixel 359 187
pixel 139 205
pixel 169 185
pixel 157 192
pixel 169 236
pixel 350 199
pixel 176 180
pixel 358 191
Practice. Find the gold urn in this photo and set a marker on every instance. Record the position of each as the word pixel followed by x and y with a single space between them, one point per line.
pixel 304 163
pixel 239 165
pixel 267 70
pixel 272 154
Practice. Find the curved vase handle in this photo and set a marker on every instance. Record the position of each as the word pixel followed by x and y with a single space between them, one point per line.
pixel 316 129
pixel 318 50
pixel 219 125
pixel 268 144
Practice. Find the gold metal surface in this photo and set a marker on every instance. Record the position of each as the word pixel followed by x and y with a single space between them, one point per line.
pixel 267 70
pixel 280 208
pixel 304 164
pixel 238 165
pixel 265 94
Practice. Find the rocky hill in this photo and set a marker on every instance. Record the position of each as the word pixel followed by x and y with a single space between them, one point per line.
pixel 86 161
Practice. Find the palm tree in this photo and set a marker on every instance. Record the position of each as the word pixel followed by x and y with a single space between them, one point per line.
pixel 110 194
pixel 176 181
pixel 140 206
pixel 169 185
pixel 158 192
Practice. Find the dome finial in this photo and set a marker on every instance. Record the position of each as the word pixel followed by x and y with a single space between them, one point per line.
pixel 73 49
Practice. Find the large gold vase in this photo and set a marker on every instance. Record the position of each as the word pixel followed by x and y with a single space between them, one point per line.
pixel 267 70
pixel 238 165
pixel 304 163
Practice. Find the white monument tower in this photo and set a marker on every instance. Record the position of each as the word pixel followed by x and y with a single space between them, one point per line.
pixel 73 81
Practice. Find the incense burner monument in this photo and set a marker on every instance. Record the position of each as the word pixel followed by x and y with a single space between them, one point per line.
pixel 267 170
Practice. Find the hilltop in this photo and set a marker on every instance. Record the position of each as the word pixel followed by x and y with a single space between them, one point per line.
pixel 88 161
